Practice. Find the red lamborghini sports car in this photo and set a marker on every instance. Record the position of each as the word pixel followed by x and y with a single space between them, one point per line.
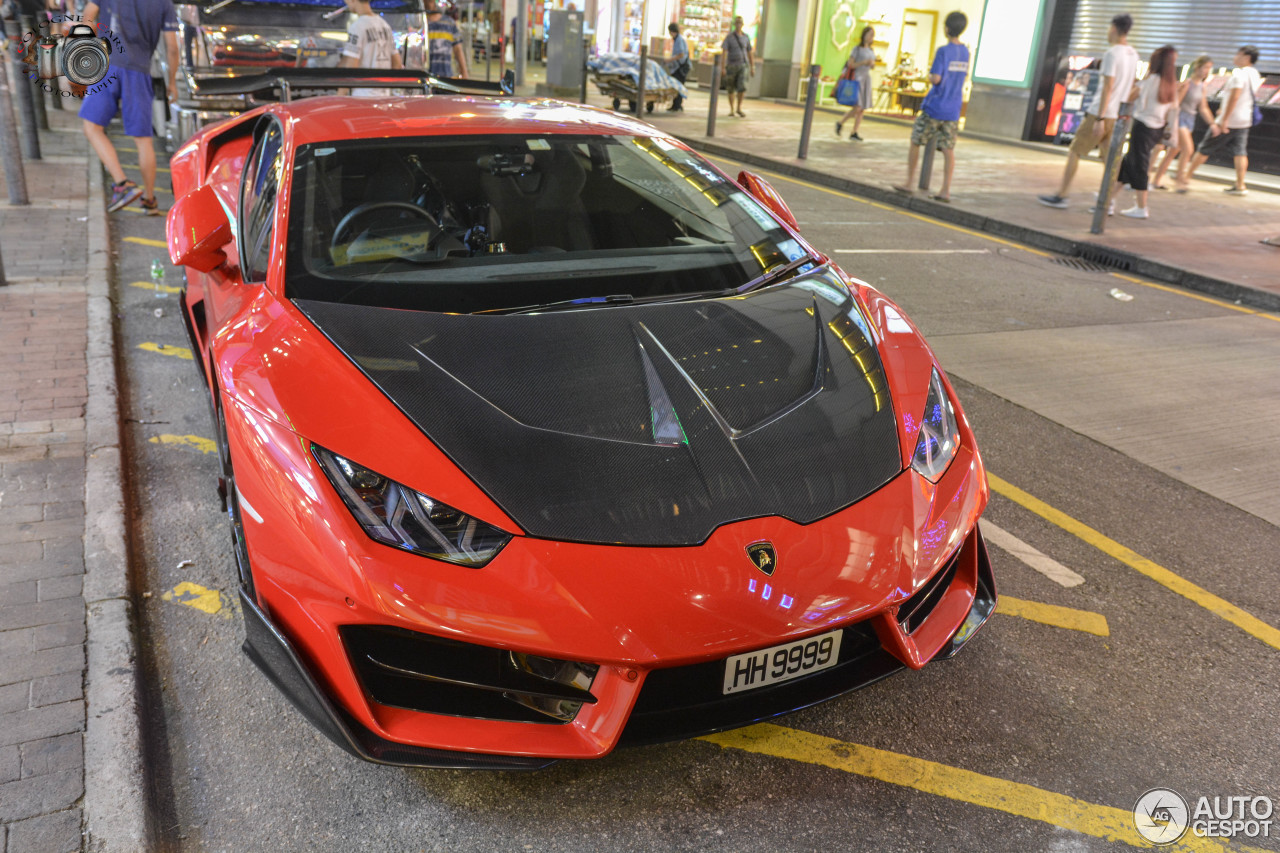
pixel 540 435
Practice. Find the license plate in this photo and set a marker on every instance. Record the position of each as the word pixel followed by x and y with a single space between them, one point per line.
pixel 781 663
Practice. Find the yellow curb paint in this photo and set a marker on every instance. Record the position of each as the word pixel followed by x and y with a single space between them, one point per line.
pixel 143 241
pixel 194 595
pixel 1220 607
pixel 176 352
pixel 953 783
pixel 1052 614
pixel 139 168
pixel 204 445
pixel 148 285
pixel 1210 299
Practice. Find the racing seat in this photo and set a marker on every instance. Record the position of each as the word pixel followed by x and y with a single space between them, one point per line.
pixel 541 210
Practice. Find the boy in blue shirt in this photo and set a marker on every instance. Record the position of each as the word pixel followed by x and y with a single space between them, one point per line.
pixel 939 117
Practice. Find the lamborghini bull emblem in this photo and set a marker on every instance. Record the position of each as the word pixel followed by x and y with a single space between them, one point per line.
pixel 764 556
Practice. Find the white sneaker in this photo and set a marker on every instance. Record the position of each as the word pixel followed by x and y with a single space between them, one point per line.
pixel 1136 212
pixel 1111 209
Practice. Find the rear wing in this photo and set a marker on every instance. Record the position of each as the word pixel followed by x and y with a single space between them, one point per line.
pixel 287 84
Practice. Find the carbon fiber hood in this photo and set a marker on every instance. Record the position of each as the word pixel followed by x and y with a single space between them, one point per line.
pixel 643 425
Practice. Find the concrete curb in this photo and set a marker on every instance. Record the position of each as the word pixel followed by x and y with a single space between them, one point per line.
pixel 115 793
pixel 1117 260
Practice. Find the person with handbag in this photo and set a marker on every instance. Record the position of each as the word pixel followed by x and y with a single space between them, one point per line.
pixel 854 85
pixel 737 62
pixel 1238 113
pixel 679 64
pixel 1191 100
pixel 1155 107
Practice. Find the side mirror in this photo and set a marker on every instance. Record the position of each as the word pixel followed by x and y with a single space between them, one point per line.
pixel 197 229
pixel 764 193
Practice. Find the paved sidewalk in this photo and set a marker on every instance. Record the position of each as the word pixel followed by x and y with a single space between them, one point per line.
pixel 65 652
pixel 1204 240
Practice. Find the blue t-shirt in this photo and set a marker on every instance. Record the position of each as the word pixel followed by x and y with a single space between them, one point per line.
pixel 133 27
pixel 945 99
pixel 442 35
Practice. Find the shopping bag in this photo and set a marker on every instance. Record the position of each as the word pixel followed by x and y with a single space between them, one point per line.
pixel 847 92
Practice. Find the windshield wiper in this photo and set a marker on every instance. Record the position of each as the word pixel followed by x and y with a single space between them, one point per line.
pixel 771 275
pixel 613 299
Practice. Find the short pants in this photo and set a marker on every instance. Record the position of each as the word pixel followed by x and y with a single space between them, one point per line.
pixel 1187 120
pixel 1235 141
pixel 125 89
pixel 1084 142
pixel 735 78
pixel 928 130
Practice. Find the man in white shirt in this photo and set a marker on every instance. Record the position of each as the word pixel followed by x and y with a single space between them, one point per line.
pixel 1230 130
pixel 371 43
pixel 1119 68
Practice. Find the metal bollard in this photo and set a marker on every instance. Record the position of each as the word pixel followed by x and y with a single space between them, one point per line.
pixel 1118 134
pixel 810 103
pixel 42 118
pixel 715 97
pixel 586 53
pixel 926 166
pixel 14 175
pixel 644 66
pixel 21 86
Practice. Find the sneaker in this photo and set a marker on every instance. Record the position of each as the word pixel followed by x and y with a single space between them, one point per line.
pixel 839 127
pixel 1057 201
pixel 123 193
pixel 1236 191
pixel 855 136
pixel 1111 209
pixel 151 207
pixel 1136 212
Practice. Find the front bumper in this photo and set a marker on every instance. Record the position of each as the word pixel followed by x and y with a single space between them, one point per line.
pixel 681 702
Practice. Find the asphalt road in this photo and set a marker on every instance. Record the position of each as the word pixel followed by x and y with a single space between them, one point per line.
pixel 1039 736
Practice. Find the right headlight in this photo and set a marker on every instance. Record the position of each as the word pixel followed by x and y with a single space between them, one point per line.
pixel 398 516
pixel 939 434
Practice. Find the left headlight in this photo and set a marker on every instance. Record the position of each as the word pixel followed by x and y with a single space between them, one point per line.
pixel 398 516
pixel 939 435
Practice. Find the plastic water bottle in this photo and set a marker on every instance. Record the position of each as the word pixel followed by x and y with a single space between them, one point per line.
pixel 157 278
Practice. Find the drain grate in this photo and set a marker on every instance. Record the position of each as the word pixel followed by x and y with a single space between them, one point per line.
pixel 1081 264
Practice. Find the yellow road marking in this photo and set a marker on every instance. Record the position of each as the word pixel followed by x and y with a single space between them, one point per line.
pixel 1212 300
pixel 1243 620
pixel 133 209
pixel 930 777
pixel 1052 614
pixel 143 241
pixel 136 167
pixel 194 595
pixel 204 445
pixel 176 352
pixel 150 285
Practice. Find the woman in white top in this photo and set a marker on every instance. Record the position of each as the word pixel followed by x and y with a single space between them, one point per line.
pixel 858 67
pixel 1191 100
pixel 1156 105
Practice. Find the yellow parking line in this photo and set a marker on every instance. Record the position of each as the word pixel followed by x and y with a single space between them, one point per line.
pixel 210 601
pixel 163 349
pixel 942 780
pixel 1212 300
pixel 1052 614
pixel 150 285
pixel 204 445
pixel 880 205
pixel 1243 620
pixel 143 241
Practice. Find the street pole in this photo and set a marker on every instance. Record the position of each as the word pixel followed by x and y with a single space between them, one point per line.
pixel 586 50
pixel 42 118
pixel 1118 133
pixel 644 66
pixel 715 97
pixel 810 104
pixel 926 166
pixel 30 141
pixel 521 45
pixel 13 173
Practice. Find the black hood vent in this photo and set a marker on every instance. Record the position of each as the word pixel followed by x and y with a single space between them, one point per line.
pixel 643 425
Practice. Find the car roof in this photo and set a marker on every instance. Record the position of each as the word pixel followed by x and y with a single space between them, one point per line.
pixel 330 118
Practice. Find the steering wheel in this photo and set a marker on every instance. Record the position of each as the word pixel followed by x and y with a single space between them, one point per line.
pixel 370 206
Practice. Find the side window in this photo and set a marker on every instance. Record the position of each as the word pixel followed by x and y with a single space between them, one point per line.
pixel 258 204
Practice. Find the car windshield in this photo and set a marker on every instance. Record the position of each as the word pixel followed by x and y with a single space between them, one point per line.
pixel 489 223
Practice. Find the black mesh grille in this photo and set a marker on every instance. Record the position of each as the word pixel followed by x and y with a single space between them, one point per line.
pixel 916 609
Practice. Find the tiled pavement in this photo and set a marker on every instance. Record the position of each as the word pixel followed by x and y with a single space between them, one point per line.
pixel 42 485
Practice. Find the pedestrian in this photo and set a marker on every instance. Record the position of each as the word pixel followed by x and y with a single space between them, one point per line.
pixel 679 64
pixel 939 119
pixel 135 27
pixel 1191 100
pixel 371 43
pixel 1230 130
pixel 1155 103
pixel 858 67
pixel 1119 69
pixel 737 62
pixel 444 43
